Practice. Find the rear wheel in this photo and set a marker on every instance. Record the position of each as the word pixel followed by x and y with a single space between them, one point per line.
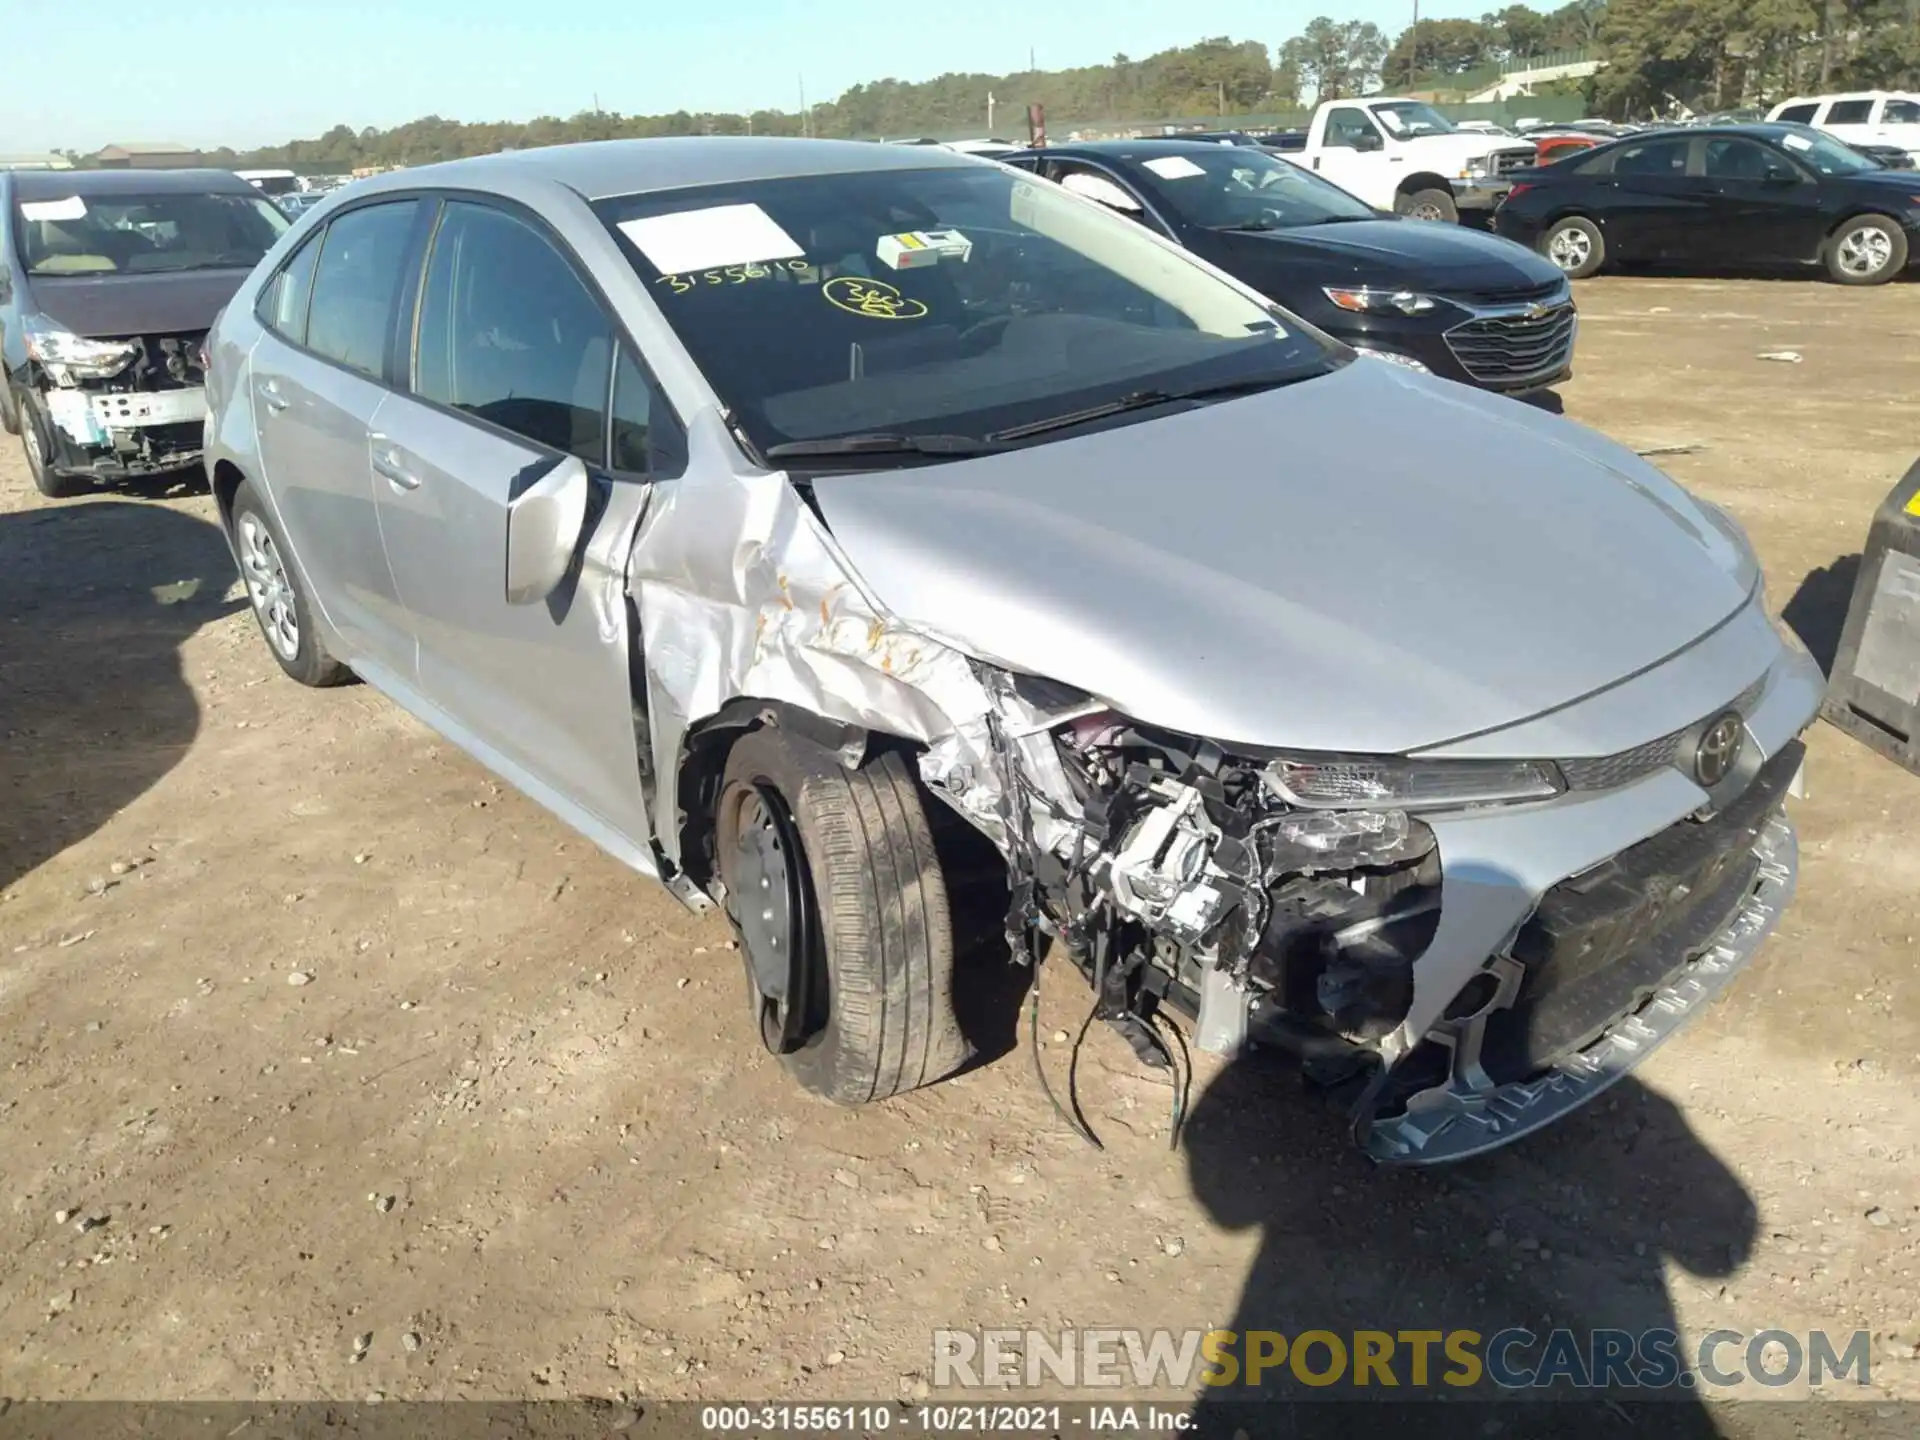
pixel 841 907
pixel 1576 245
pixel 37 444
pixel 279 604
pixel 1433 204
pixel 1867 250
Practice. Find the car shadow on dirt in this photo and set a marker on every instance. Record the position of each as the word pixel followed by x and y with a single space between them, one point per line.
pixel 1817 612
pixel 1571 1229
pixel 96 598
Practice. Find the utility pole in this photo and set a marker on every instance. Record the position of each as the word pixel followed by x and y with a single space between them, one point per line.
pixel 806 120
pixel 1413 47
pixel 1220 87
pixel 989 112
pixel 1031 67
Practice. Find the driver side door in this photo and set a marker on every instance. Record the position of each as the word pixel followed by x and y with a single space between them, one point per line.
pixel 517 370
pixel 1352 155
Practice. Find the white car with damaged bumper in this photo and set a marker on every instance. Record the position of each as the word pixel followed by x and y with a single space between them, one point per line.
pixel 790 516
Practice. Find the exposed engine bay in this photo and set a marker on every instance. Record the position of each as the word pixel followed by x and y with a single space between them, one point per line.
pixel 1175 874
pixel 146 417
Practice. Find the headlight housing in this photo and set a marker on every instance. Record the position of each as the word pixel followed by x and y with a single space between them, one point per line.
pixel 1393 357
pixel 68 357
pixel 1382 302
pixel 1361 782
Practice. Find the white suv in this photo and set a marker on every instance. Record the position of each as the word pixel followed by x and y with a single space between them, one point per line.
pixel 1873 117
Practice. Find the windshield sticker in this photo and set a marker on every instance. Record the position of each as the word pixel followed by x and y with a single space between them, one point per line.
pixel 1796 142
pixel 874 299
pixel 799 270
pixel 1174 167
pixel 695 240
pixel 917 249
pixel 72 208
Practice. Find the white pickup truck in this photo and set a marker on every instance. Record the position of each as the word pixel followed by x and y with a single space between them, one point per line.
pixel 1405 156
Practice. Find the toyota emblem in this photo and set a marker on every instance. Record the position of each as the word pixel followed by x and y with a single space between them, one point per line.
pixel 1719 748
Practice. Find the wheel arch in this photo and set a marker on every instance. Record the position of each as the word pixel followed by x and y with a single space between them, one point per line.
pixel 225 481
pixel 703 763
pixel 1424 180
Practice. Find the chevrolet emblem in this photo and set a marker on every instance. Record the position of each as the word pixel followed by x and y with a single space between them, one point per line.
pixel 1537 311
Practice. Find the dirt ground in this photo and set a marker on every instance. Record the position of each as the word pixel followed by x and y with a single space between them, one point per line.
pixel 341 1038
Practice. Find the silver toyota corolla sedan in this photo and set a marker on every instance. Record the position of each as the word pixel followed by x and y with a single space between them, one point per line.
pixel 791 516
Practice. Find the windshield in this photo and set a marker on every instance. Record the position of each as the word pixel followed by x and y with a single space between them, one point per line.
pixel 1234 187
pixel 1410 117
pixel 957 301
pixel 146 234
pixel 1826 154
pixel 274 185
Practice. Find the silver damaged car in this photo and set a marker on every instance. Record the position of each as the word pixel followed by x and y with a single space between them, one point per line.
pixel 789 516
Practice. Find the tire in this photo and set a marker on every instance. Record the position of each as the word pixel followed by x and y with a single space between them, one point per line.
pixel 39 452
pixel 9 413
pixel 870 1013
pixel 1429 204
pixel 280 604
pixel 1866 250
pixel 1576 245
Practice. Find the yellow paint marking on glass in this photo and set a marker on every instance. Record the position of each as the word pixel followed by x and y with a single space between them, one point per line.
pixel 1912 506
pixel 874 299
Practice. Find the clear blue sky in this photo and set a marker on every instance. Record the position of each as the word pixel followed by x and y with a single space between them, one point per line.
pixel 256 72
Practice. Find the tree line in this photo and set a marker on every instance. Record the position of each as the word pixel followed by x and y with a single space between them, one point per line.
pixel 1661 55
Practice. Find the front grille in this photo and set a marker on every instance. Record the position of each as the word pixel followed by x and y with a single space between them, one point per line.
pixel 1509 349
pixel 1609 772
pixel 1600 943
pixel 1508 161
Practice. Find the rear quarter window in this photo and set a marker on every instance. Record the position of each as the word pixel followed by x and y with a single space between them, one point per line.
pixel 1799 114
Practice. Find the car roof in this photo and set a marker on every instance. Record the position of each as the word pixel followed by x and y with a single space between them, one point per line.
pixel 599 169
pixel 1156 144
pixel 58 184
pixel 1849 95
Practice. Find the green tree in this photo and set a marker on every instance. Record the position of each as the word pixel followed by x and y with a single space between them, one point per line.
pixel 1442 47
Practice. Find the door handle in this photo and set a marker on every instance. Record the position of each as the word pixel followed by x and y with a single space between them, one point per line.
pixel 388 461
pixel 270 393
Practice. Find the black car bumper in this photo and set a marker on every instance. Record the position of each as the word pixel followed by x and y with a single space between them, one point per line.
pixel 1511 347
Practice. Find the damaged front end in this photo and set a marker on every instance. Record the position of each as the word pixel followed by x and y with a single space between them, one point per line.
pixel 118 408
pixel 1265 897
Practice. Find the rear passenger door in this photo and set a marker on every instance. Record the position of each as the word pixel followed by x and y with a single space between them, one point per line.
pixel 517 365
pixel 1654 208
pixel 319 376
pixel 1850 120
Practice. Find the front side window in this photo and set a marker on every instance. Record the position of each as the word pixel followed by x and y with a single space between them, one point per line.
pixel 1235 187
pixel 355 284
pixel 1410 117
pixel 145 234
pixel 950 300
pixel 1901 112
pixel 1349 127
pixel 509 334
pixel 1850 112
pixel 1729 159
pixel 283 304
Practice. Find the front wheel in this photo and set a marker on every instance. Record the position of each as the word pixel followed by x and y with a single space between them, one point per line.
pixel 837 895
pixel 279 604
pixel 39 450
pixel 1427 205
pixel 1576 245
pixel 1867 250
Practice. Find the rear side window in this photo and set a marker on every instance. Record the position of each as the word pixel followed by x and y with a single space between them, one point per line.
pixel 1902 112
pixel 1799 114
pixel 283 304
pixel 355 283
pixel 1850 112
pixel 511 335
pixel 1656 157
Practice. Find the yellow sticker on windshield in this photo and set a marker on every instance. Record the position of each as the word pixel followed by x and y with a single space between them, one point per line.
pixel 874 299
pixel 1912 506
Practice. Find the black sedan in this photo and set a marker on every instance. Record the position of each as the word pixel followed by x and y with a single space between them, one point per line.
pixel 1739 195
pixel 1459 303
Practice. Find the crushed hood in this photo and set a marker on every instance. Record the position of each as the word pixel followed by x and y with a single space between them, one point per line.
pixel 1372 561
pixel 109 306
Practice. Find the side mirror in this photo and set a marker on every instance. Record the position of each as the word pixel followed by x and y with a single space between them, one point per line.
pixel 543 528
pixel 1368 141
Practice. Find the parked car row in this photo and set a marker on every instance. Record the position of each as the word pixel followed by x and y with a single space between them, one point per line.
pixel 1770 194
